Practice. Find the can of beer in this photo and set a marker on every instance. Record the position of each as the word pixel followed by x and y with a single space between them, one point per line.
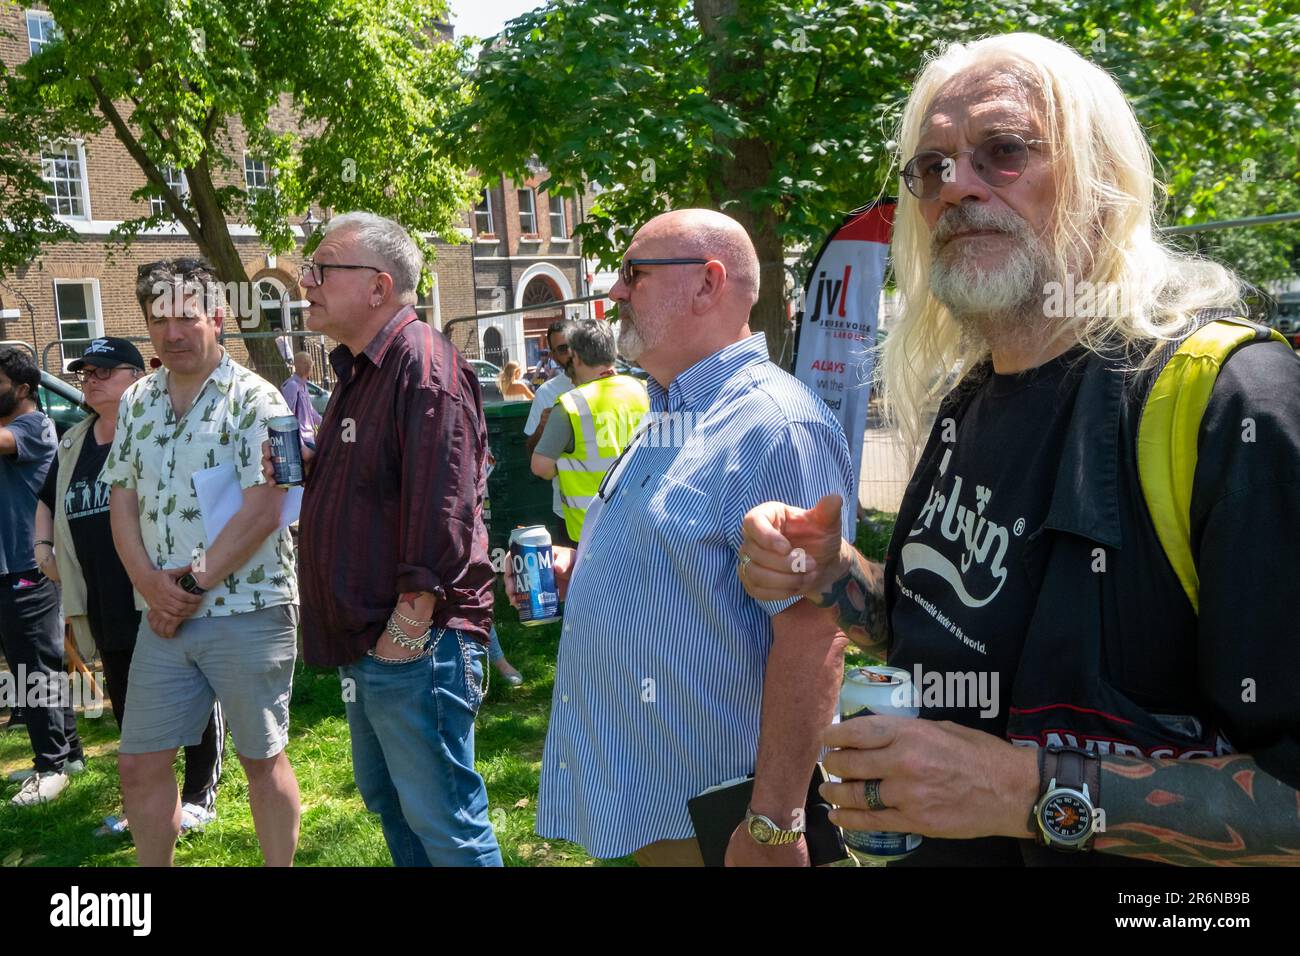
pixel 286 450
pixel 530 563
pixel 886 691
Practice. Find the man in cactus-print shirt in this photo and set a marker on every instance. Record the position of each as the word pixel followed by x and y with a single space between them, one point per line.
pixel 156 453
pixel 222 615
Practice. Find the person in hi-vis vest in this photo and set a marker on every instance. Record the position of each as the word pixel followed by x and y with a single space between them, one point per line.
pixel 601 415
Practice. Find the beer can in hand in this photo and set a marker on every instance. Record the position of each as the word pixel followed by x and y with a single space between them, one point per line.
pixel 286 450
pixel 887 692
pixel 531 563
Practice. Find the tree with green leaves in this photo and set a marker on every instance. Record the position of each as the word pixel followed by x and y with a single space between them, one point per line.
pixel 780 112
pixel 346 100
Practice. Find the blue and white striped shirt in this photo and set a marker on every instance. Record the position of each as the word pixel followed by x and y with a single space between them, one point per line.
pixel 659 682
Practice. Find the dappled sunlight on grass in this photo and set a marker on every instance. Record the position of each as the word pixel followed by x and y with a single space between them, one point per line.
pixel 336 828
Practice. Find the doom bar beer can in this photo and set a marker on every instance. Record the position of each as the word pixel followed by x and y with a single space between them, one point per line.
pixel 534 575
pixel 286 450
pixel 884 691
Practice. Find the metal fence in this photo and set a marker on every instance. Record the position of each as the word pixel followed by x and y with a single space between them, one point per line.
pixel 463 331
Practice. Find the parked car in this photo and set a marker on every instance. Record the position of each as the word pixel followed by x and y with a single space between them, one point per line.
pixel 320 397
pixel 487 379
pixel 64 403
pixel 1287 320
pixel 624 367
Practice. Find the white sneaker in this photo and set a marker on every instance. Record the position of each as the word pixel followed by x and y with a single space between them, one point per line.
pixel 194 817
pixel 40 788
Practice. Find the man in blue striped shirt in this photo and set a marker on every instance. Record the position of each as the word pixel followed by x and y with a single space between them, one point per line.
pixel 670 679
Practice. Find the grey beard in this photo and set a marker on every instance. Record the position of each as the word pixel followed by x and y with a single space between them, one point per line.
pixel 629 342
pixel 1001 308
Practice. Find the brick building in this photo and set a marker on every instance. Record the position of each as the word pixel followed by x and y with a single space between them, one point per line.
pixel 520 251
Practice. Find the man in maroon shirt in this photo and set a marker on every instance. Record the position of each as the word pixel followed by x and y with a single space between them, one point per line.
pixel 395 579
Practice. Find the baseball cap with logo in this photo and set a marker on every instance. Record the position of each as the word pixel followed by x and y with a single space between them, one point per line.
pixel 109 353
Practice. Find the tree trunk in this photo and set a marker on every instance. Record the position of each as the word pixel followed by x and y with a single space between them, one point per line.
pixel 749 168
pixel 218 248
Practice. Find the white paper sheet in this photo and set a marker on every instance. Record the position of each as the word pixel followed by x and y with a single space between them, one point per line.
pixel 220 497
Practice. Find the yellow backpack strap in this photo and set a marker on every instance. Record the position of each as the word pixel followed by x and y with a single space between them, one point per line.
pixel 1170 427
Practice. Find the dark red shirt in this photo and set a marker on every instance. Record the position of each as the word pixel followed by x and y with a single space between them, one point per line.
pixel 394 500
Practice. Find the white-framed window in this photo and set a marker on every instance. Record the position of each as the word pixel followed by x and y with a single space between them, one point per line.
pixel 77 306
pixel 257 175
pixel 176 182
pixel 527 212
pixel 559 225
pixel 41 30
pixel 483 216
pixel 63 167
pixel 427 305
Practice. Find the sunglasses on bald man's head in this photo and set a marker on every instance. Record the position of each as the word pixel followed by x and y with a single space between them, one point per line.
pixel 999 161
pixel 627 271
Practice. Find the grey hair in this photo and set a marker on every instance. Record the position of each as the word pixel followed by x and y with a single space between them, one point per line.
pixel 388 241
pixel 593 341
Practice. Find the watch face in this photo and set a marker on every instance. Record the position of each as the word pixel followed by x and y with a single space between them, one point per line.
pixel 1067 817
pixel 760 830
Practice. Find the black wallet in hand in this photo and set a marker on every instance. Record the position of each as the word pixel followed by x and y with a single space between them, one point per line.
pixel 717 812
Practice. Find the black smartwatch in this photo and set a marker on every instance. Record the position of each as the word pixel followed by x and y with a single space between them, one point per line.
pixel 1069 780
pixel 189 584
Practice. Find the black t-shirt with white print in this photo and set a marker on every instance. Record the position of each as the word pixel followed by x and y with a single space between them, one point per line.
pixel 110 602
pixel 962 596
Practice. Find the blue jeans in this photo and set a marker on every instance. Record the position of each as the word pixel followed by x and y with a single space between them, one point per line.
pixel 494 646
pixel 412 730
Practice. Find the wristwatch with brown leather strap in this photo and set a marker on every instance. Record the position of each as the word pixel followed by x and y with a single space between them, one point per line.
pixel 1064 818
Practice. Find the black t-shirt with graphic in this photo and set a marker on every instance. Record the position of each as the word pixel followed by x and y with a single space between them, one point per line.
pixel 110 602
pixel 962 597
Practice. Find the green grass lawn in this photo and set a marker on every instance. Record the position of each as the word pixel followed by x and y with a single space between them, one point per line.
pixel 336 828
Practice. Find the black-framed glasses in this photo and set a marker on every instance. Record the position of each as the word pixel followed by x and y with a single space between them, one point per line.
pixel 999 161
pixel 310 267
pixel 560 349
pixel 87 372
pixel 627 271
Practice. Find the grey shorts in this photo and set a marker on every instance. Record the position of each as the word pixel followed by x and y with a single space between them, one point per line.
pixel 243 660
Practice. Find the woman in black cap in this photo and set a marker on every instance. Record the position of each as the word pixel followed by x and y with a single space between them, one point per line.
pixel 75 547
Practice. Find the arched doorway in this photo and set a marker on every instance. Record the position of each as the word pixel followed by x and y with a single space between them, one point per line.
pixel 273 298
pixel 493 350
pixel 539 312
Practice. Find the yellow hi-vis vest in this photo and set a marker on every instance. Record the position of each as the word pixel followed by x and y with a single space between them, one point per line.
pixel 604 415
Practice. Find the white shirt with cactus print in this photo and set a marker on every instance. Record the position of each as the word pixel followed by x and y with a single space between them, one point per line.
pixel 155 454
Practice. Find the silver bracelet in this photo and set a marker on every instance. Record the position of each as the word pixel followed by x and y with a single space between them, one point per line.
pixel 408 622
pixel 401 639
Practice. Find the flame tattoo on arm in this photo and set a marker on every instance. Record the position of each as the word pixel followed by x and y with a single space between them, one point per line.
pixel 859 602
pixel 1217 811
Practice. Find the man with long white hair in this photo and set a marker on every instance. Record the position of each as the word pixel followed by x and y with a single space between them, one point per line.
pixel 1073 537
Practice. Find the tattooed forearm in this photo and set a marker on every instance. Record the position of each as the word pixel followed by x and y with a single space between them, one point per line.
pixel 858 598
pixel 1219 811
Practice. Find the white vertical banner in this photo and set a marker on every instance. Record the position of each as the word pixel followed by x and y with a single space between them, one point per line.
pixel 836 328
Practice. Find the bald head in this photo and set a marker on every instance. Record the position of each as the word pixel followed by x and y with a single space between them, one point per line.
pixel 706 234
pixel 673 313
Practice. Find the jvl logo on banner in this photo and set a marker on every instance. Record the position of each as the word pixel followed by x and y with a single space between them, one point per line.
pixel 837 328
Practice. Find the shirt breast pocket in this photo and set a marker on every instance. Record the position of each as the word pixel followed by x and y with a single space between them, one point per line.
pixel 682 517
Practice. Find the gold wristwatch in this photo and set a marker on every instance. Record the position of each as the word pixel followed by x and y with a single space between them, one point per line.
pixel 765 832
